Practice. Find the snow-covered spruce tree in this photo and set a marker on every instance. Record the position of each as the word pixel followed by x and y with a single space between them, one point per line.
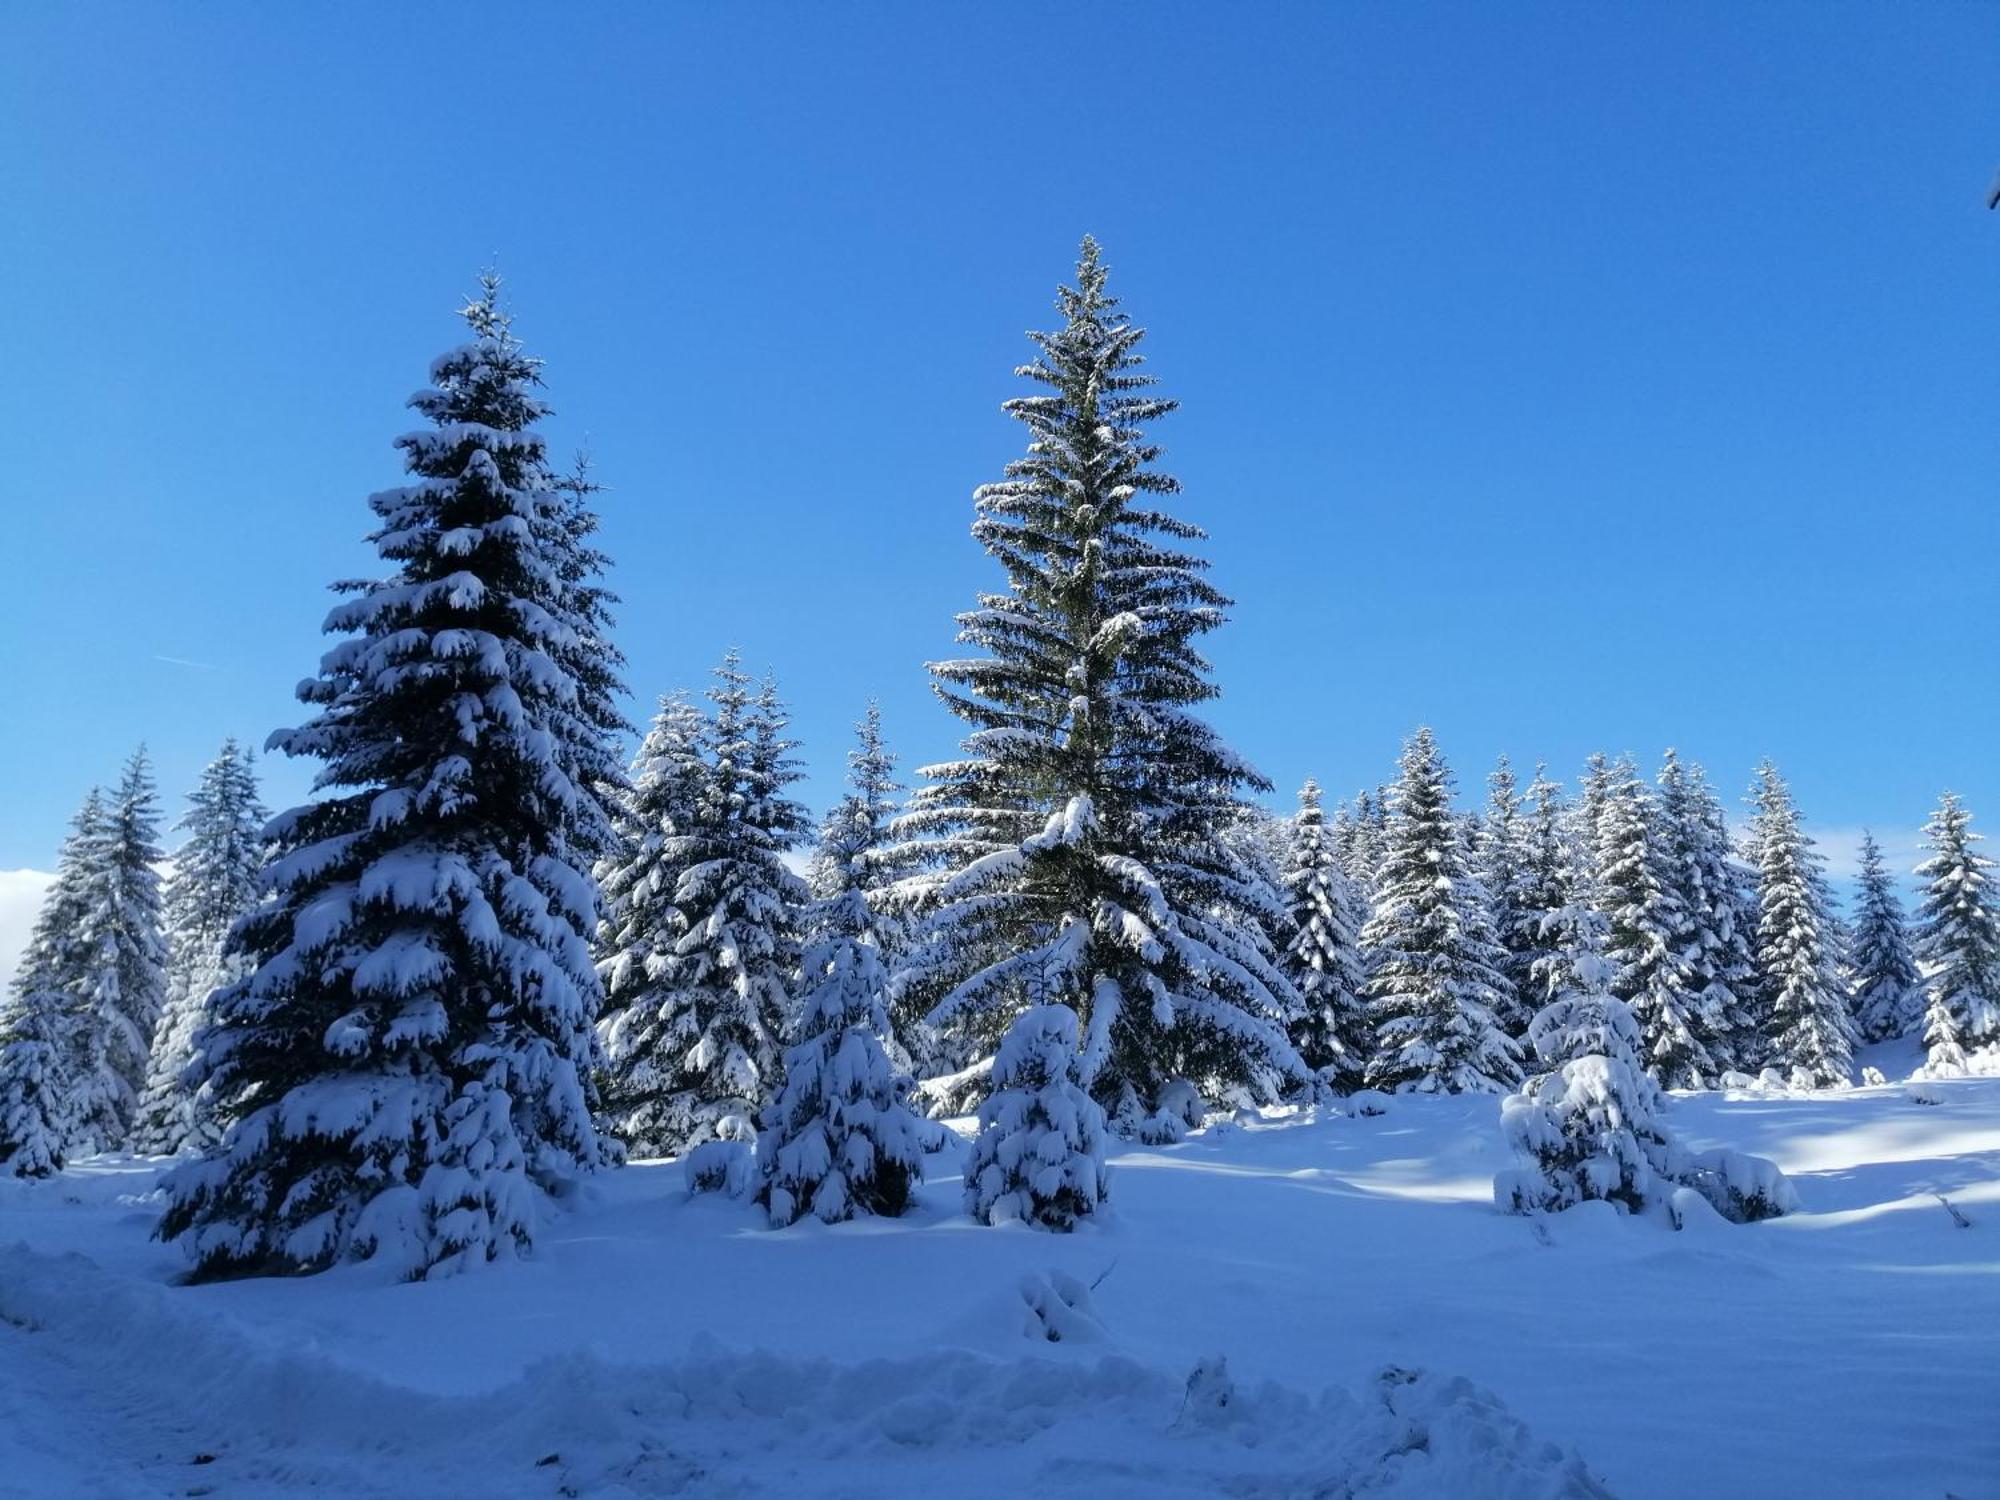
pixel 1435 988
pixel 1551 884
pixel 42 1014
pixel 214 883
pixel 1713 934
pixel 1634 890
pixel 840 1139
pixel 588 739
pixel 33 1126
pixel 406 1072
pixel 1887 986
pixel 1594 790
pixel 854 848
pixel 1081 836
pixel 1798 944
pixel 1588 1125
pixel 1958 939
pixel 697 1051
pixel 1039 1155
pixel 1334 1033
pixel 1363 836
pixel 1501 861
pixel 655 818
pixel 119 990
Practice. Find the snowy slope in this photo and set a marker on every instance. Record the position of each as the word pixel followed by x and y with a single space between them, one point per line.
pixel 659 1345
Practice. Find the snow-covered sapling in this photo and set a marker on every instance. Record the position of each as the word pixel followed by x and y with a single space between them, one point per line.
pixel 1589 1125
pixel 1039 1157
pixel 840 1139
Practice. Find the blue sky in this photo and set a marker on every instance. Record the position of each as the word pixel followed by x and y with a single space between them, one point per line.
pixel 1564 377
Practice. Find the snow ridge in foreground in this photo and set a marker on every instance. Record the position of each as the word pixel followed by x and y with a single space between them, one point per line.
pixel 165 1388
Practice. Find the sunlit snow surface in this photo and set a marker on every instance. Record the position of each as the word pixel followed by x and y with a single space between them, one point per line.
pixel 662 1346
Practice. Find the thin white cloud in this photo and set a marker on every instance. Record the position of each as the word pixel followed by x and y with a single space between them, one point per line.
pixel 20 898
pixel 1901 850
pixel 182 661
pixel 1841 846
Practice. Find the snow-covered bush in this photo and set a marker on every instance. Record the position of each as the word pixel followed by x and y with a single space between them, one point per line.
pixel 1057 1310
pixel 1588 1139
pixel 1179 1110
pixel 1039 1158
pixel 724 1166
pixel 1589 1127
pixel 1743 1188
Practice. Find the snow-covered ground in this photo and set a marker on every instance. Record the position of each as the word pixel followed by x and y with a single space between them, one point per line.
pixel 1386 1333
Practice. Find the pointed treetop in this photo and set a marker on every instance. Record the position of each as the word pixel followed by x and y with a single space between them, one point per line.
pixel 484 313
pixel 1309 802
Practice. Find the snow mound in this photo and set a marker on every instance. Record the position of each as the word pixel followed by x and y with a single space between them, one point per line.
pixel 184 1404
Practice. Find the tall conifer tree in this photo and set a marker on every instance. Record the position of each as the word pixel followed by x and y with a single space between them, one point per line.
pixel 406 1071
pixel 1888 988
pixel 654 822
pixel 1551 885
pixel 121 986
pixel 1635 890
pixel 697 1051
pixel 1435 983
pixel 1334 1032
pixel 41 1012
pixel 1501 856
pixel 1716 917
pixel 1082 833
pixel 1798 943
pixel 1958 938
pixel 214 883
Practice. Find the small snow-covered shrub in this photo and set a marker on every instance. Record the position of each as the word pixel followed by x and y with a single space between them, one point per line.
pixel 1182 1101
pixel 1058 1310
pixel 1743 1188
pixel 1178 1109
pixel 1586 1128
pixel 1953 1062
pixel 1212 1399
pixel 1367 1102
pixel 1733 1079
pixel 1873 1078
pixel 720 1167
pixel 1039 1158
pixel 1589 1130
